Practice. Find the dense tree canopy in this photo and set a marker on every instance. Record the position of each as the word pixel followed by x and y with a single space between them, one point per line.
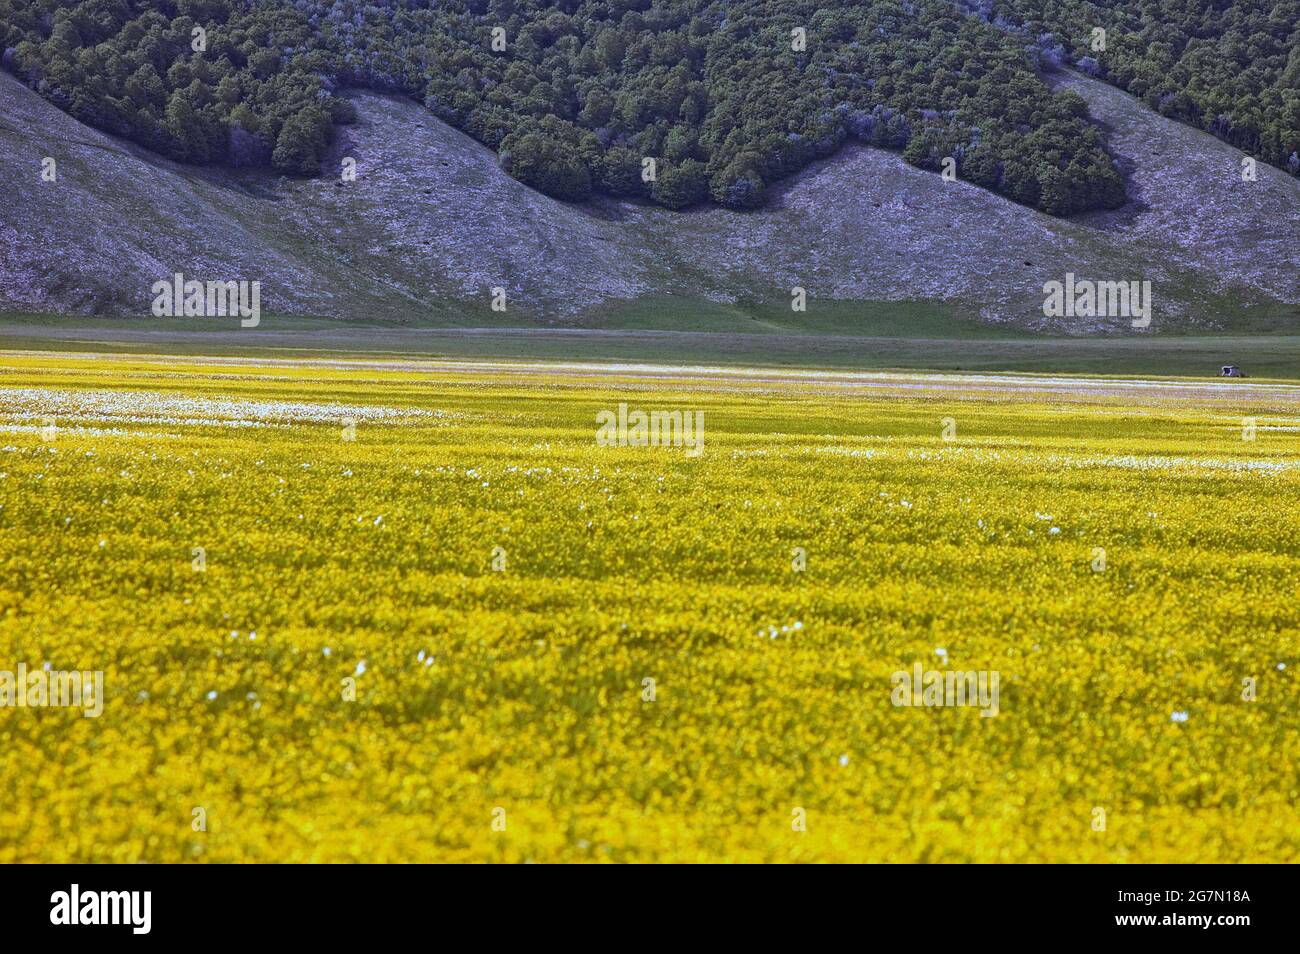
pixel 725 97
pixel 1231 67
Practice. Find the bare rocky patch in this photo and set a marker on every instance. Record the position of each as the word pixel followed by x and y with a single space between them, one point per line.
pixel 432 225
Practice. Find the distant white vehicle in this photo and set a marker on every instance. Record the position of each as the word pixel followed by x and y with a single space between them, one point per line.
pixel 1231 371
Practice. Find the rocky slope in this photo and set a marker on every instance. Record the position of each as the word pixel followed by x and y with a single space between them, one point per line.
pixel 431 225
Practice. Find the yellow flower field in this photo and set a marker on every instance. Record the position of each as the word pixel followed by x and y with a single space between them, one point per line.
pixel 365 610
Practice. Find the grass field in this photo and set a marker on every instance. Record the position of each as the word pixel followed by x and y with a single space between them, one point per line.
pixel 879 335
pixel 426 602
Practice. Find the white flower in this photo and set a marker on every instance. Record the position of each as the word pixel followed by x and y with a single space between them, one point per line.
pixel 1179 716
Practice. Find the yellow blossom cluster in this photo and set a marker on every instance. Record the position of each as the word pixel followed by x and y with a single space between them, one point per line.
pixel 399 611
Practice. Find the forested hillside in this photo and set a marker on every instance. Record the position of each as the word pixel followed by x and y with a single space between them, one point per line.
pixel 725 98
pixel 1230 67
